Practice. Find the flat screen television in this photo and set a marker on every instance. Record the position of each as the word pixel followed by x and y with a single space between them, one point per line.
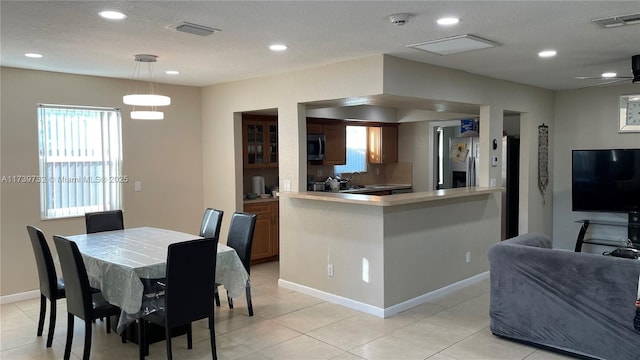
pixel 606 180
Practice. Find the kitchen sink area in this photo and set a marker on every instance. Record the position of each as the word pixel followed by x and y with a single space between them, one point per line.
pixel 379 189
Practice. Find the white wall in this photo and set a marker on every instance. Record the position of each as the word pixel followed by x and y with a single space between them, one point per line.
pixel 166 156
pixel 585 119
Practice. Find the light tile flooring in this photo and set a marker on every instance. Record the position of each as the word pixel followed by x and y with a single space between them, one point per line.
pixel 290 325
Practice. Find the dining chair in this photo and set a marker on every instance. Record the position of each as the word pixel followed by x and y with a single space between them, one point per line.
pixel 104 221
pixel 51 287
pixel 240 238
pixel 211 222
pixel 81 300
pixel 191 265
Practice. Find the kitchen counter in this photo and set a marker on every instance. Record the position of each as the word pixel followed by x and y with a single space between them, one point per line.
pixel 387 253
pixel 392 200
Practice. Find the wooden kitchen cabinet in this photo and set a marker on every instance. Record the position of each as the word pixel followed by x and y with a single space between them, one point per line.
pixel 260 141
pixel 382 144
pixel 266 236
pixel 335 132
pixel 336 145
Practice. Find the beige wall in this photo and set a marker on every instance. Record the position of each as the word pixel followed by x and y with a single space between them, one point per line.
pixel 165 156
pixel 585 119
pixel 368 76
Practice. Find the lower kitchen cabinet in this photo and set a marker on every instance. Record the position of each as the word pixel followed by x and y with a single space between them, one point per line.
pixel 266 237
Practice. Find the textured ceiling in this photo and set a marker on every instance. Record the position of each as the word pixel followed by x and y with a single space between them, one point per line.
pixel 73 39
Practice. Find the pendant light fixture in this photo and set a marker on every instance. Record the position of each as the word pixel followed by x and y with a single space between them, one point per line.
pixel 150 100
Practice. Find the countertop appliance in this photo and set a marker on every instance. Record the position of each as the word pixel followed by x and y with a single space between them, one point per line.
pixel 316 147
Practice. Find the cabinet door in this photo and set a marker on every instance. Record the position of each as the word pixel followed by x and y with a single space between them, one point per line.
pixel 389 144
pixel 272 141
pixel 382 144
pixel 262 237
pixel 336 144
pixel 275 236
pixel 254 143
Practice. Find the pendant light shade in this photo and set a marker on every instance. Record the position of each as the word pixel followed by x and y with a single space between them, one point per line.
pixel 147 115
pixel 149 98
pixel 146 100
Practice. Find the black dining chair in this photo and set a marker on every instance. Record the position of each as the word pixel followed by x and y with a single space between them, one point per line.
pixel 188 292
pixel 51 287
pixel 82 301
pixel 240 238
pixel 211 222
pixel 104 221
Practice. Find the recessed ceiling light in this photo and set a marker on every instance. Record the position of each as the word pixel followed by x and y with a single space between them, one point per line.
pixel 112 14
pixel 450 20
pixel 33 55
pixel 547 53
pixel 172 72
pixel 278 47
pixel 609 75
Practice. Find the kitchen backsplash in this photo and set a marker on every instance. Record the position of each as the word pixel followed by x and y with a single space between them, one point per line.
pixel 393 173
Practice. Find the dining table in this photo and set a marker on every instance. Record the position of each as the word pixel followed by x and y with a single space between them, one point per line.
pixel 121 262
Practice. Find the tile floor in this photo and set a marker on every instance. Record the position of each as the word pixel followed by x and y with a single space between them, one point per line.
pixel 290 325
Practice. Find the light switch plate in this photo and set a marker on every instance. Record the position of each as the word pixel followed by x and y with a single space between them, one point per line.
pixel 286 185
pixel 137 186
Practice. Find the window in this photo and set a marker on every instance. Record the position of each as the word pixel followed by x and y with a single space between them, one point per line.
pixel 356 151
pixel 80 160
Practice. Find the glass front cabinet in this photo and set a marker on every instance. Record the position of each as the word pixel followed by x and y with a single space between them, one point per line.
pixel 260 141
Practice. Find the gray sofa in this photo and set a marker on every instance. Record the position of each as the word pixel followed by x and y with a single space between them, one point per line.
pixel 572 302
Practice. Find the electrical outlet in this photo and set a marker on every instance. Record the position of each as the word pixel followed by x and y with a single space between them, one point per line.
pixel 330 270
pixel 286 184
pixel 492 183
pixel 319 173
pixel 468 257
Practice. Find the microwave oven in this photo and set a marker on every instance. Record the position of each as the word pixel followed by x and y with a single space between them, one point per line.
pixel 316 147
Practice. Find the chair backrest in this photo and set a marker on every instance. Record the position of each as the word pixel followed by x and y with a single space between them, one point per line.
pixel 44 262
pixel 76 281
pixel 211 222
pixel 104 221
pixel 241 236
pixel 190 282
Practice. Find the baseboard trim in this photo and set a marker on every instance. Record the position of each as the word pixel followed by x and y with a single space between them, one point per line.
pixel 7 299
pixel 377 311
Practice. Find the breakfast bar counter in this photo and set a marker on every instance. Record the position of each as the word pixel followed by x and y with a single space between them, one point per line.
pixel 385 254
pixel 392 200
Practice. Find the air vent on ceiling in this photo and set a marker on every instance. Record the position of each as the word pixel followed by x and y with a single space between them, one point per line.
pixel 195 29
pixel 619 20
pixel 454 45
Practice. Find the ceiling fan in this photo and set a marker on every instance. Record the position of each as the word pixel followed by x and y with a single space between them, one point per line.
pixel 613 78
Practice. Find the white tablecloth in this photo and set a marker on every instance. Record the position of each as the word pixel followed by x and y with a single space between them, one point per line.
pixel 117 260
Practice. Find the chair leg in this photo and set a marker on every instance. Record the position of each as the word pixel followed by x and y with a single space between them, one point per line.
pixel 108 324
pixel 216 297
pixel 212 336
pixel 249 303
pixel 87 340
pixel 230 301
pixel 167 331
pixel 52 323
pixel 189 337
pixel 43 310
pixel 67 346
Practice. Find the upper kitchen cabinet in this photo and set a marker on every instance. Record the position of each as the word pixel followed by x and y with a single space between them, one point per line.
pixel 382 144
pixel 336 143
pixel 335 132
pixel 260 141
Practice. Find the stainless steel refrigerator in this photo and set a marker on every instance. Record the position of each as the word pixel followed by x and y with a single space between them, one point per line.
pixel 463 161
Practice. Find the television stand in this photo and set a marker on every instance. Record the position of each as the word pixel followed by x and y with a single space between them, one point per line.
pixel 633 229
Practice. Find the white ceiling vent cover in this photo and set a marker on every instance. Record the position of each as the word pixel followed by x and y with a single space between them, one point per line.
pixel 454 45
pixel 195 29
pixel 619 20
